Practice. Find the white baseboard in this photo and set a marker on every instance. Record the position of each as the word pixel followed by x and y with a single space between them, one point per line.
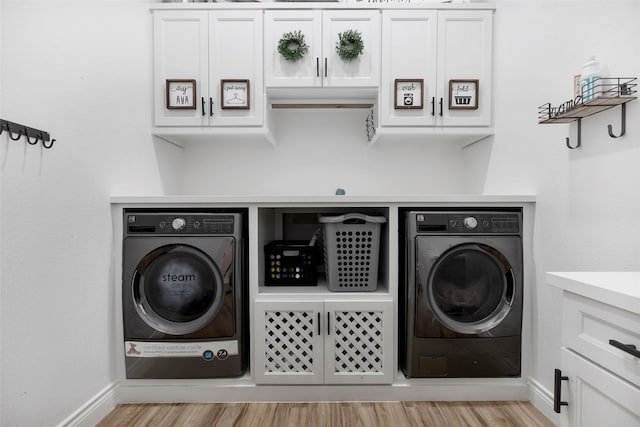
pixel 542 399
pixel 102 403
pixel 246 391
pixel 95 409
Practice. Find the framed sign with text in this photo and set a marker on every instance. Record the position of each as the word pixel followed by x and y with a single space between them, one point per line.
pixel 235 94
pixel 181 94
pixel 463 94
pixel 409 94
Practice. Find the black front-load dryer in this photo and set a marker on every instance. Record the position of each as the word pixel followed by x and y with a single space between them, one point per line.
pixel 463 294
pixel 183 294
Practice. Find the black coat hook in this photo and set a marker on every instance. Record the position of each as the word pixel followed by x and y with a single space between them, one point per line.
pixel 579 136
pixel 35 140
pixel 17 137
pixel 623 126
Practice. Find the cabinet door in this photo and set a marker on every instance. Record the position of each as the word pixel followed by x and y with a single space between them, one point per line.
pixel 409 42
pixel 359 342
pixel 180 52
pixel 288 345
pixel 465 53
pixel 304 72
pixel 595 396
pixel 235 53
pixel 363 70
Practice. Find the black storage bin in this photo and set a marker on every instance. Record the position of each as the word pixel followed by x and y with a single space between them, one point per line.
pixel 290 262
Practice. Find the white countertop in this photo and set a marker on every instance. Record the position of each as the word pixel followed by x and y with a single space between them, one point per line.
pixel 328 200
pixel 273 4
pixel 618 288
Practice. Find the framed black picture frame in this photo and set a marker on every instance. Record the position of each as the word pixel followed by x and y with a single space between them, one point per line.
pixel 463 94
pixel 408 94
pixel 181 94
pixel 235 94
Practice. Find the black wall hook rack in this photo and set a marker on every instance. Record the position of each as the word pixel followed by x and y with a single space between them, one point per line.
pixel 32 135
pixel 611 91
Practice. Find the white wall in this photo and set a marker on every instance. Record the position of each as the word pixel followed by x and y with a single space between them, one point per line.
pixel 588 198
pixel 317 152
pixel 82 70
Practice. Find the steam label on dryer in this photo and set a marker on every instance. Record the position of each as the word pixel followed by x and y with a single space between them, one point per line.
pixel 209 350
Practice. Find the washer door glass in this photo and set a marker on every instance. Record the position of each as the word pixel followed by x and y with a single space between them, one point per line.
pixel 177 289
pixel 471 288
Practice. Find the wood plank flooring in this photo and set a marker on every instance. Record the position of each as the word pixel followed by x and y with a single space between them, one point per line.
pixel 328 414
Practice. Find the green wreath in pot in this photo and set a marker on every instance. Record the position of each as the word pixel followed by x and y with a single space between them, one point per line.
pixel 349 45
pixel 292 45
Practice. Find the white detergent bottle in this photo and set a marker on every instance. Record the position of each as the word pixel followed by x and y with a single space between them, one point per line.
pixel 590 87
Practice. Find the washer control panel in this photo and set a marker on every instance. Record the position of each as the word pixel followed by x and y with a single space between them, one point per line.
pixel 143 223
pixel 468 222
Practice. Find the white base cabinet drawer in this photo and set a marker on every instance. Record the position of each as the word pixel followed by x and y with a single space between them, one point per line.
pixel 596 397
pixel 589 325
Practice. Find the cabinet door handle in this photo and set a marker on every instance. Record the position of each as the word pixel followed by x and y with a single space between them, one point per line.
pixel 325 66
pixel 210 106
pixel 441 100
pixel 328 323
pixel 433 105
pixel 557 391
pixel 317 66
pixel 627 348
pixel 319 324
pixel 203 113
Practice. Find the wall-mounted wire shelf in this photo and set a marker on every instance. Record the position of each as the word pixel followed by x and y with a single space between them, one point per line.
pixel 603 94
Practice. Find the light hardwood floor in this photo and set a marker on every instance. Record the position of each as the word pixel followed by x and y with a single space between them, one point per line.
pixel 324 414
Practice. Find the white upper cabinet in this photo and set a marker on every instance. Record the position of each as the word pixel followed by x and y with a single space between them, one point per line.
pixel 443 52
pixel 209 47
pixel 304 72
pixel 465 52
pixel 321 66
pixel 409 46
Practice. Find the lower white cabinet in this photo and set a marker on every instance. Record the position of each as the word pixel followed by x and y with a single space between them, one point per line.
pixel 595 397
pixel 598 383
pixel 318 341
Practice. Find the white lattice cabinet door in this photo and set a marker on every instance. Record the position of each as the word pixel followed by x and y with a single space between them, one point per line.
pixel 359 342
pixel 288 347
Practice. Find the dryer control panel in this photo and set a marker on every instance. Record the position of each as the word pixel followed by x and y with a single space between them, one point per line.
pixel 191 224
pixel 467 222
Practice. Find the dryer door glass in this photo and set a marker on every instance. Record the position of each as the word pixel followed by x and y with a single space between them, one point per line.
pixel 178 290
pixel 470 288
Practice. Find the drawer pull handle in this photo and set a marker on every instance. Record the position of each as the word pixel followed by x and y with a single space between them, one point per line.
pixel 557 391
pixel 627 348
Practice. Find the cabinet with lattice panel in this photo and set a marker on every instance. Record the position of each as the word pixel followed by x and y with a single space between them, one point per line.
pixel 318 341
